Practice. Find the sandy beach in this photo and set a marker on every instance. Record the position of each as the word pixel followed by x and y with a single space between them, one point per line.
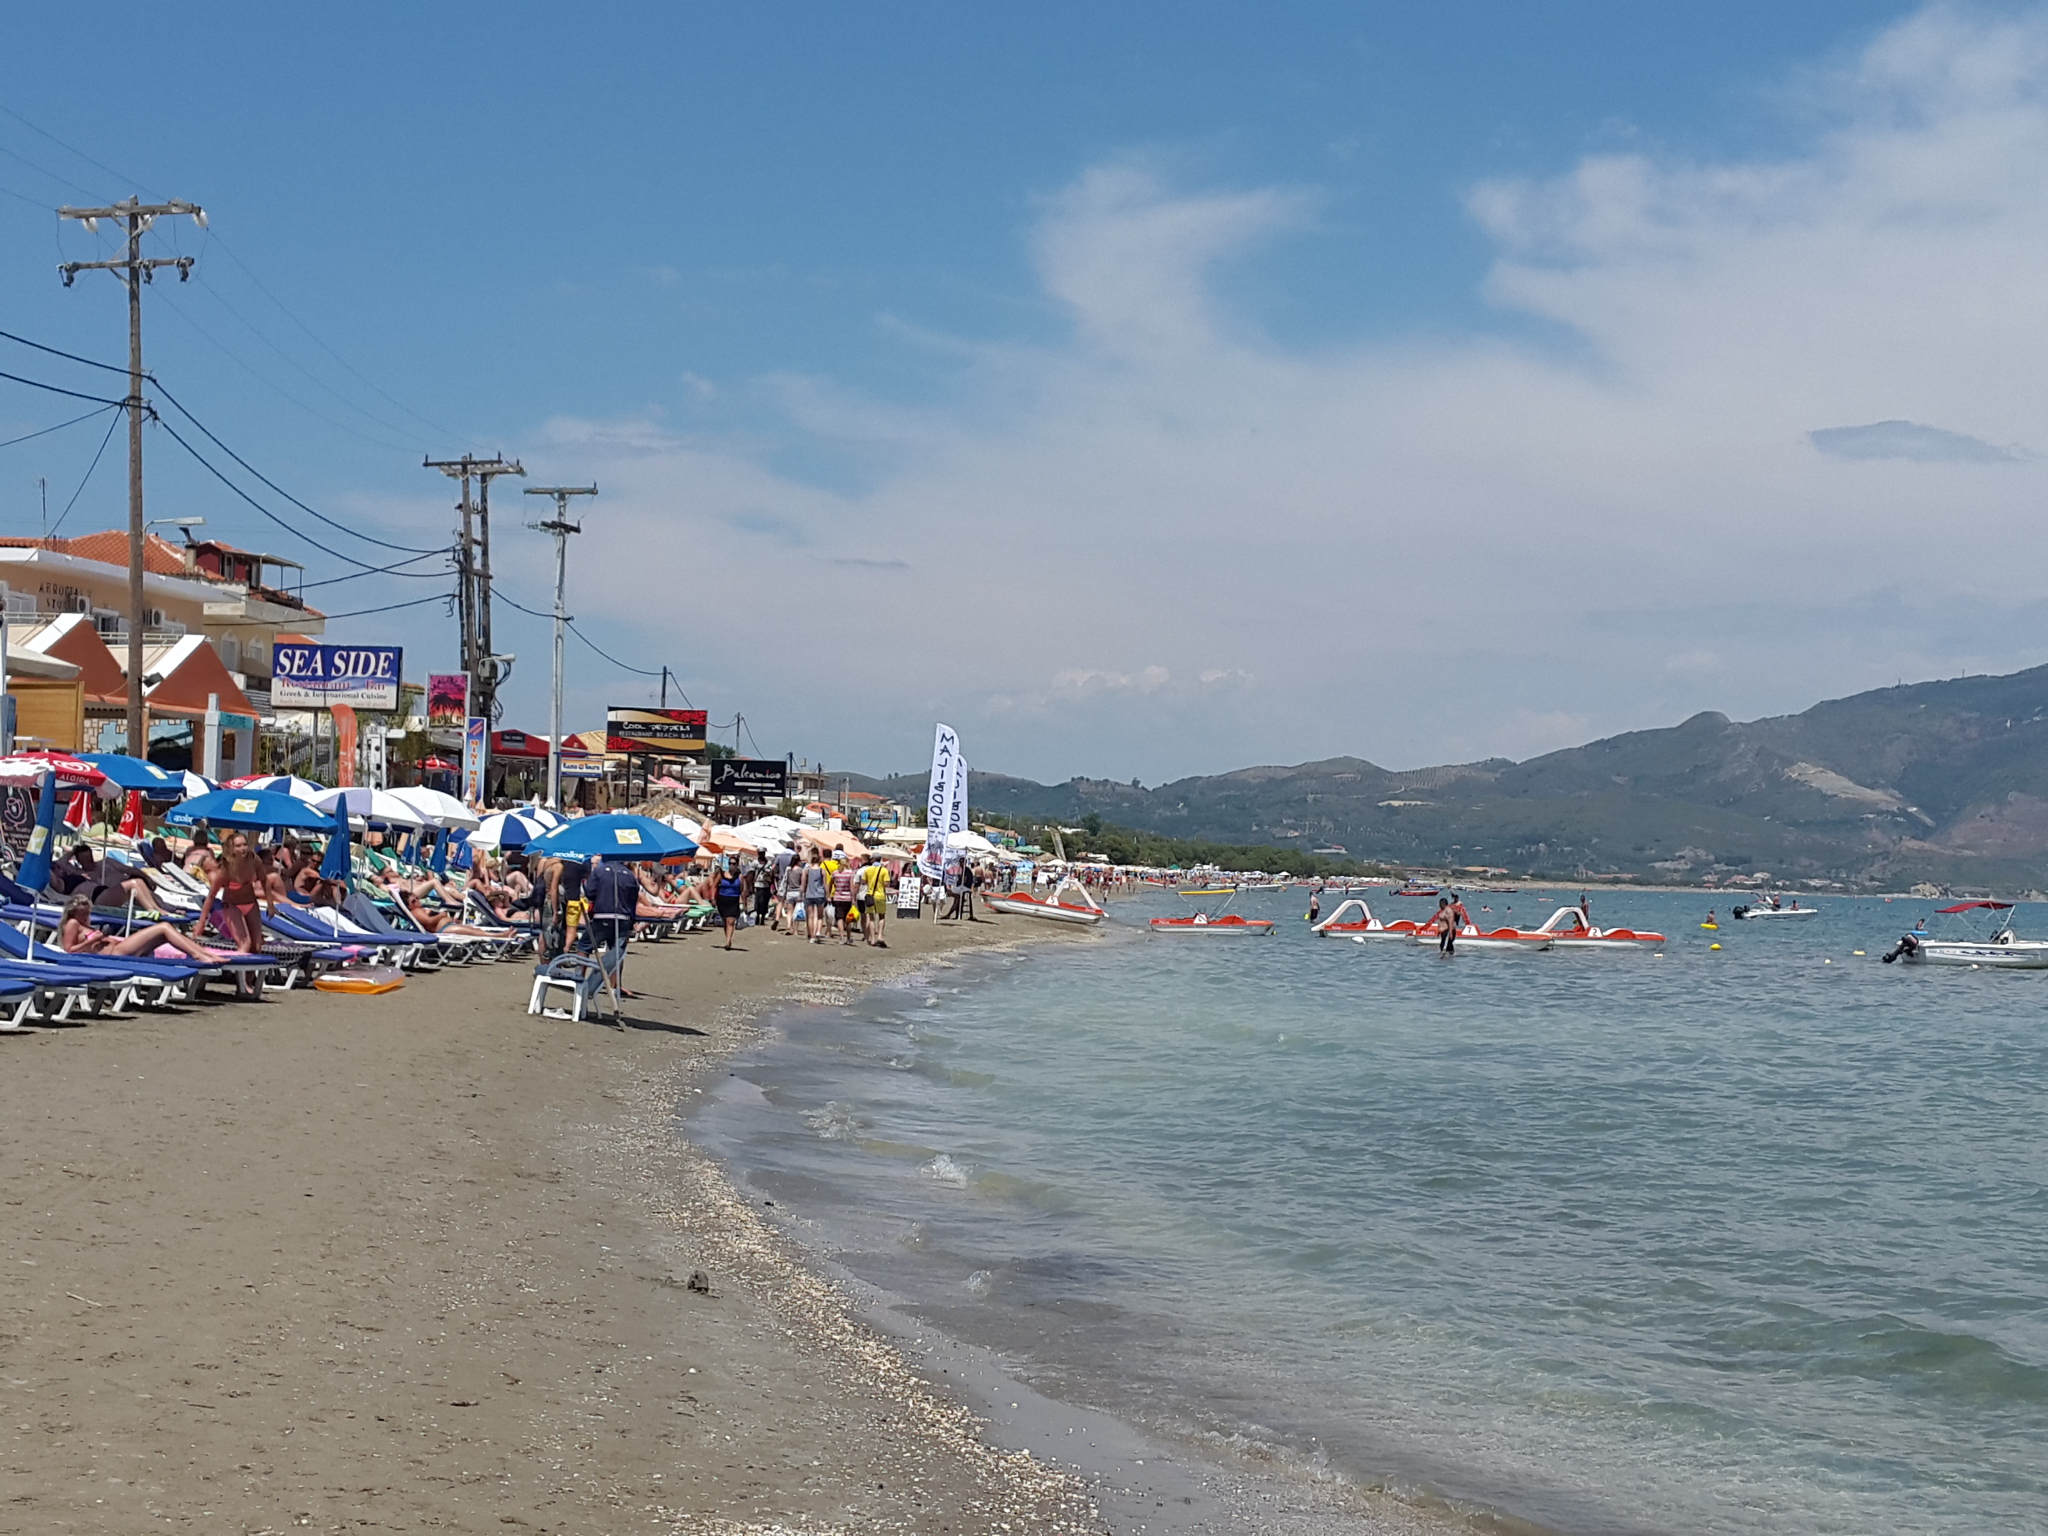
pixel 422 1262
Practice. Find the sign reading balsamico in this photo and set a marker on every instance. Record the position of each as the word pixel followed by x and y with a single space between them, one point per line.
pixel 750 778
pixel 668 731
pixel 322 676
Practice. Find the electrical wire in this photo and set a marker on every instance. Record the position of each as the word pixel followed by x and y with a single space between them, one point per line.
pixel 357 613
pixel 46 431
pixel 405 549
pixel 382 570
pixel 95 464
pixel 214 238
pixel 53 389
pixel 69 357
pixel 81 154
pixel 297 533
pixel 570 625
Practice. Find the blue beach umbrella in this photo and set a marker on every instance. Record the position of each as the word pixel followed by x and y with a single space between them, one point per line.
pixel 508 829
pixel 249 808
pixel 334 864
pixel 132 773
pixel 612 837
pixel 35 868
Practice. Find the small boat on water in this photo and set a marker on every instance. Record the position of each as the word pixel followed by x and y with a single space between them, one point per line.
pixel 2001 949
pixel 1414 890
pixel 1084 913
pixel 1208 923
pixel 1770 906
pixel 1340 925
pixel 1569 929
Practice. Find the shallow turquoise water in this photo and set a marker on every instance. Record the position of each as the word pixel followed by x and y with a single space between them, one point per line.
pixel 1754 1240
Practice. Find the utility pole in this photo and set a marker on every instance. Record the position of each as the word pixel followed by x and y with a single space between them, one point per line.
pixel 133 271
pixel 560 526
pixel 473 575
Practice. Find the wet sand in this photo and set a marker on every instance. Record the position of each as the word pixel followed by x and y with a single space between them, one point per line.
pixel 423 1262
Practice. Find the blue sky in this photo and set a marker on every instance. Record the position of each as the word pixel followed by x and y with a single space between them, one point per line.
pixel 879 328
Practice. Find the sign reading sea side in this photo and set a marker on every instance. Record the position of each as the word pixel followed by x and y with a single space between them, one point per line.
pixel 322 676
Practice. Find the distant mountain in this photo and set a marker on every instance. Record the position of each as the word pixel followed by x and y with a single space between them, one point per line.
pixel 1945 781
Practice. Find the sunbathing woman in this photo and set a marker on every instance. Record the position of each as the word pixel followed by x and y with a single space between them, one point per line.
pixel 238 888
pixel 78 937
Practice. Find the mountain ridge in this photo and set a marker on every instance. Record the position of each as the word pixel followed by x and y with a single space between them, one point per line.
pixel 1944 780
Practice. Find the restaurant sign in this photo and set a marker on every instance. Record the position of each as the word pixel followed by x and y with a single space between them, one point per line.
pixel 666 732
pixel 750 778
pixel 322 676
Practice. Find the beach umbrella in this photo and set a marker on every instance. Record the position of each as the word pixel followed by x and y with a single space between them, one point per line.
pixel 725 840
pixel 969 842
pixel 249 808
pixel 506 829
pixel 612 837
pixel 838 842
pixel 26 768
pixel 355 799
pixel 278 784
pixel 334 863
pixel 441 810
pixel 196 784
pixel 35 865
pixel 132 773
pixel 387 809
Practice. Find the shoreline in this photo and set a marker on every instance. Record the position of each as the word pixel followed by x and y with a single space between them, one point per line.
pixel 335 1263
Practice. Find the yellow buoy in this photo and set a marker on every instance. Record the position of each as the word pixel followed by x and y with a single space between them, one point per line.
pixel 1713 946
pixel 1859 951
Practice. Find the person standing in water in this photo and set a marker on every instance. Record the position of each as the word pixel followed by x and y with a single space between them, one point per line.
pixel 1446 927
pixel 1315 905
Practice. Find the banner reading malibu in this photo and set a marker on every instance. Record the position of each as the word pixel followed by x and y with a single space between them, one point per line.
pixel 937 801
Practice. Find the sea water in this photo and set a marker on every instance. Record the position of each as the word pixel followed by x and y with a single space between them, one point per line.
pixel 1747 1239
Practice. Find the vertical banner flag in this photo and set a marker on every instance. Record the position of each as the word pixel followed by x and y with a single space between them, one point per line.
pixel 956 797
pixel 937 802
pixel 344 745
pixel 476 743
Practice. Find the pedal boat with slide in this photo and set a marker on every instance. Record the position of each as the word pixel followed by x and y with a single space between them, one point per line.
pixel 1212 924
pixel 1084 913
pixel 1365 925
pixel 2001 949
pixel 1568 929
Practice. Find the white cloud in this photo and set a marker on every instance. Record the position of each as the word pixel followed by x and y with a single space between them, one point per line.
pixel 1908 440
pixel 1417 549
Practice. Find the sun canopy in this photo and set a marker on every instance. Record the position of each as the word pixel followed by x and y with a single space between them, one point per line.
pixel 250 808
pixel 31 768
pixel 507 829
pixel 133 773
pixel 440 809
pixel 612 837
pixel 1972 906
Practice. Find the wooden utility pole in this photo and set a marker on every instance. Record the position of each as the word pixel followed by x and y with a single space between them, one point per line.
pixel 473 575
pixel 133 271
pixel 560 526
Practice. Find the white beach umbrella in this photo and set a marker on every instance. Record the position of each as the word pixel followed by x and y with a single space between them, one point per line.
pixel 356 798
pixel 387 808
pixel 506 829
pixel 440 810
pixel 969 842
pixel 281 784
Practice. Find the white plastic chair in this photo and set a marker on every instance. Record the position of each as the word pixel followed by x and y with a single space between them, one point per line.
pixel 587 981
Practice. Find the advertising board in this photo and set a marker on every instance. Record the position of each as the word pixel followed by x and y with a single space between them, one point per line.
pixel 750 778
pixel 664 731
pixel 447 700
pixel 321 676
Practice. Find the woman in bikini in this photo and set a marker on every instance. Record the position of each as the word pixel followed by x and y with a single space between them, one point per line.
pixel 78 937
pixel 239 888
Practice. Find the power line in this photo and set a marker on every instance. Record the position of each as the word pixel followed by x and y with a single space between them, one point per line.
pixel 357 613
pixel 621 665
pixel 69 357
pixel 46 431
pixel 297 533
pixel 81 154
pixel 382 570
pixel 215 238
pixel 53 389
pixel 183 410
pixel 95 464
